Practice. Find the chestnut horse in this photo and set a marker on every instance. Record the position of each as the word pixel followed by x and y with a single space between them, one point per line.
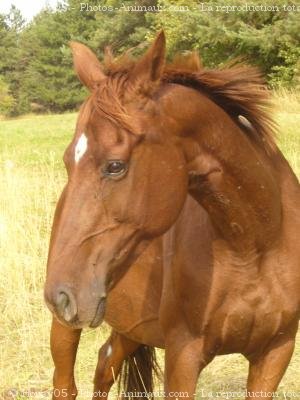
pixel 146 137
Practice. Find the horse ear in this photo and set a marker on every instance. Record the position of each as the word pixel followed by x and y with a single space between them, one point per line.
pixel 150 68
pixel 86 64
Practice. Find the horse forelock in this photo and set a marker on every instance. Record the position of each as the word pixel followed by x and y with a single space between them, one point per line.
pixel 106 100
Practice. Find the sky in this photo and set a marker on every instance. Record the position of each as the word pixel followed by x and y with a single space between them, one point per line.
pixel 29 8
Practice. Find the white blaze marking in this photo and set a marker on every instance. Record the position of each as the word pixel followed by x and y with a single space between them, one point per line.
pixel 109 351
pixel 81 147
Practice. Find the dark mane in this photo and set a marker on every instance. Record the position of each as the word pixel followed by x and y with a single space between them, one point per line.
pixel 238 89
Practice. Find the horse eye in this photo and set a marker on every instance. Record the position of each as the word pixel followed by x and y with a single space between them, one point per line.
pixel 115 168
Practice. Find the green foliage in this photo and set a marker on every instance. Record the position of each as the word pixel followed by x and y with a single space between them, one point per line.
pixel 10 29
pixel 269 39
pixel 36 62
pixel 121 29
pixel 49 80
pixel 6 100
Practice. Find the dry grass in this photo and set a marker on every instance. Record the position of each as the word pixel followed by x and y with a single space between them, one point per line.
pixel 31 179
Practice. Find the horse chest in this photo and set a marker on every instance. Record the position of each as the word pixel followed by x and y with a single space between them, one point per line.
pixel 248 313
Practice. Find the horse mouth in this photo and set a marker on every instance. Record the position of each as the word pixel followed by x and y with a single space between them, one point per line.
pixel 99 315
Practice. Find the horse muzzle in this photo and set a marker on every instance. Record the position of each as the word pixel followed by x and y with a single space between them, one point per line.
pixel 70 312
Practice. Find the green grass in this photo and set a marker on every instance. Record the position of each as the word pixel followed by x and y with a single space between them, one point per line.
pixel 32 176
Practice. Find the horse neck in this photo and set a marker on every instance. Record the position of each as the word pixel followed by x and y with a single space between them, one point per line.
pixel 233 178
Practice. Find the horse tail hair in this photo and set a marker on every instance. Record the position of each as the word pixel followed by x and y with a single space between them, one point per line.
pixel 138 373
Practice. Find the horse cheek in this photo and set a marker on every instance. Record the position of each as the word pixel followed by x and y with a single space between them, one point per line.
pixel 167 191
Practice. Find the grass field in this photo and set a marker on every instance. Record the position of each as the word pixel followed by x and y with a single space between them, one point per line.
pixel 31 179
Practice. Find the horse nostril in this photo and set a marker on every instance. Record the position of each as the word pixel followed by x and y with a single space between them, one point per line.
pixel 66 305
pixel 62 302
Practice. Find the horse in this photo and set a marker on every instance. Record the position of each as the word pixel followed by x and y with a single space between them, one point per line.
pixel 148 135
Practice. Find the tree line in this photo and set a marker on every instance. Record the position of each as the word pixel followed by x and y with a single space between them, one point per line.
pixel 36 71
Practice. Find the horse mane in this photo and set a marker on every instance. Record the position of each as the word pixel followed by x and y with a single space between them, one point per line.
pixel 237 88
